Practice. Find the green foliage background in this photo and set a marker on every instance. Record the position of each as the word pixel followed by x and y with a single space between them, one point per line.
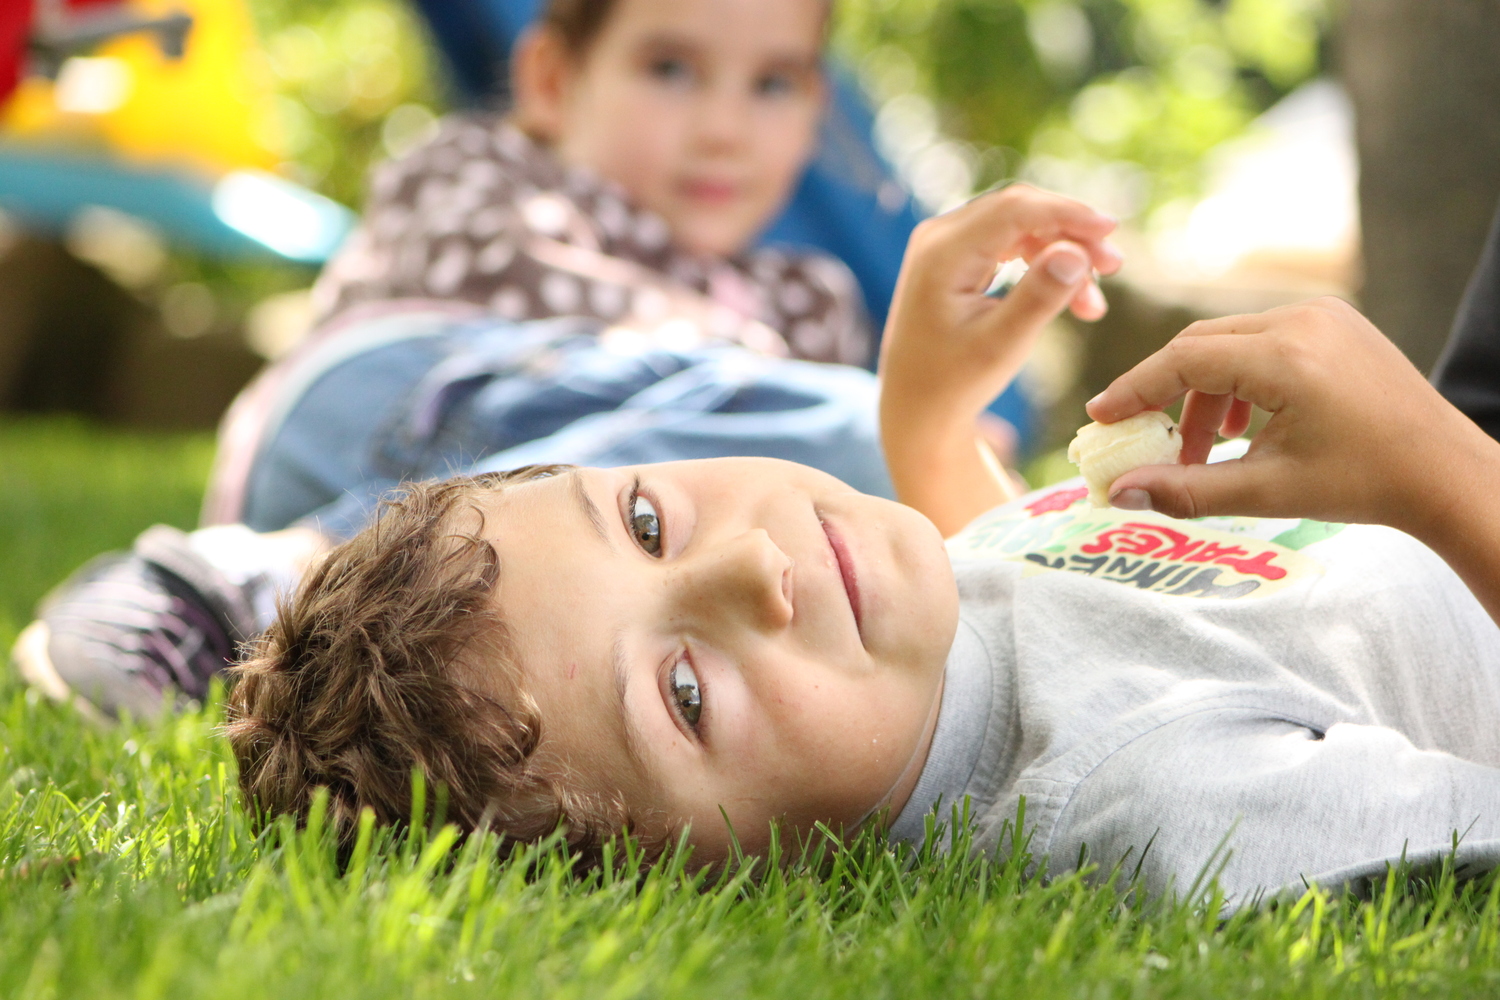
pixel 1146 85
pixel 348 75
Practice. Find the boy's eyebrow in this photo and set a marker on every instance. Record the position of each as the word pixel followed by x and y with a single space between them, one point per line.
pixel 619 666
pixel 590 509
pixel 665 39
pixel 634 742
pixel 800 63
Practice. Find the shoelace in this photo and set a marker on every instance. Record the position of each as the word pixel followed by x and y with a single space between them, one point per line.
pixel 166 639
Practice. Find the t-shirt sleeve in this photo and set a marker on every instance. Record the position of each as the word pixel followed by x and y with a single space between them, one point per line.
pixel 1267 804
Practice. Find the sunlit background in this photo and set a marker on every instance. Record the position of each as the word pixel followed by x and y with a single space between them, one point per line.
pixel 169 193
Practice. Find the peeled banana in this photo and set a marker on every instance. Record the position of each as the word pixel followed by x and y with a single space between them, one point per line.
pixel 1105 452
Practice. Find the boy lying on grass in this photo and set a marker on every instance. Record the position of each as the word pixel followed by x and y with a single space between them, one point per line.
pixel 700 647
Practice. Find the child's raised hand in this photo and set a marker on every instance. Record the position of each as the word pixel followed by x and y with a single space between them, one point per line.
pixel 949 349
pixel 945 338
pixel 1356 433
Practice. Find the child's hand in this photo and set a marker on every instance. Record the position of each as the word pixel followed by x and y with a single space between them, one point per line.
pixel 949 349
pixel 1356 433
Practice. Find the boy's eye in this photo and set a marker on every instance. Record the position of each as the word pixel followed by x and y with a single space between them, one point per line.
pixel 775 85
pixel 670 70
pixel 645 525
pixel 685 692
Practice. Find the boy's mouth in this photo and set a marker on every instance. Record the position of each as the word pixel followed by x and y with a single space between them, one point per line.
pixel 710 192
pixel 846 572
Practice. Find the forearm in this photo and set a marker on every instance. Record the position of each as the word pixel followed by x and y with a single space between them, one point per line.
pixel 943 469
pixel 950 348
pixel 1460 519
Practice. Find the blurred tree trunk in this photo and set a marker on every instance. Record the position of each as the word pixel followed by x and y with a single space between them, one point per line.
pixel 1424 76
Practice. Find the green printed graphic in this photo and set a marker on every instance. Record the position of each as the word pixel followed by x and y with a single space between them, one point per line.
pixel 1307 532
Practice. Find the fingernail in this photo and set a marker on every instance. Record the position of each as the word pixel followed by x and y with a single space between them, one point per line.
pixel 1131 500
pixel 1067 267
pixel 1095 298
pixel 1112 252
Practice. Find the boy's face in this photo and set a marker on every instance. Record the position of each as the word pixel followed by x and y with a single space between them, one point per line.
pixel 704 110
pixel 743 633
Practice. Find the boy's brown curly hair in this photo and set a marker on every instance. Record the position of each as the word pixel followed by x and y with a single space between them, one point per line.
pixel 355 686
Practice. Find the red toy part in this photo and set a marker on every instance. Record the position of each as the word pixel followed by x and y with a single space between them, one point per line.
pixel 16 20
pixel 15 28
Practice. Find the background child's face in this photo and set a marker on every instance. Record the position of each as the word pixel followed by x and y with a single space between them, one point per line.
pixel 690 641
pixel 705 111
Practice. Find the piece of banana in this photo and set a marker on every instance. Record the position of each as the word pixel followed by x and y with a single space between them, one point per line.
pixel 1105 452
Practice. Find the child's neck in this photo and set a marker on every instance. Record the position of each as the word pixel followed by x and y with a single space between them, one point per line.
pixel 900 792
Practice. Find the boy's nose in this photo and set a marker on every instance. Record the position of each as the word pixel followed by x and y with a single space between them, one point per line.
pixel 745 579
pixel 723 115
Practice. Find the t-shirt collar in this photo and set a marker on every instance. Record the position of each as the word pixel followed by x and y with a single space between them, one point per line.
pixel 962 721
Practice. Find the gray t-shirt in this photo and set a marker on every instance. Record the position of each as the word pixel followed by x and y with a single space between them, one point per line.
pixel 1272 700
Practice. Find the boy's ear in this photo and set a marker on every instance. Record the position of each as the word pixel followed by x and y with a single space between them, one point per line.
pixel 542 71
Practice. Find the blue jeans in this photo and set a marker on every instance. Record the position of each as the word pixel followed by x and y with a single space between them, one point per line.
pixel 421 396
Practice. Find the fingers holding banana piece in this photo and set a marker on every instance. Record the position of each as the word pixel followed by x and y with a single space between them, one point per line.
pixel 1105 452
pixel 1088 303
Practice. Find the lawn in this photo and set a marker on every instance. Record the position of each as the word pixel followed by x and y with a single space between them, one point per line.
pixel 128 869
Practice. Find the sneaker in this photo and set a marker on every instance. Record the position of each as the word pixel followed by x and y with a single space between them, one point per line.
pixel 132 631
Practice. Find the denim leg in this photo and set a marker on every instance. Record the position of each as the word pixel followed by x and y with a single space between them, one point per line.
pixel 498 396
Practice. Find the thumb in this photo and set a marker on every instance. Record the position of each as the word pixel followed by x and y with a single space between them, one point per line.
pixel 1054 277
pixel 1239 486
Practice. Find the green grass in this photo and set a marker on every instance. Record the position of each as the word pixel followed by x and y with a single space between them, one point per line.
pixel 129 871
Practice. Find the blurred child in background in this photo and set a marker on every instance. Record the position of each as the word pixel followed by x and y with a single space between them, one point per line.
pixel 650 143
